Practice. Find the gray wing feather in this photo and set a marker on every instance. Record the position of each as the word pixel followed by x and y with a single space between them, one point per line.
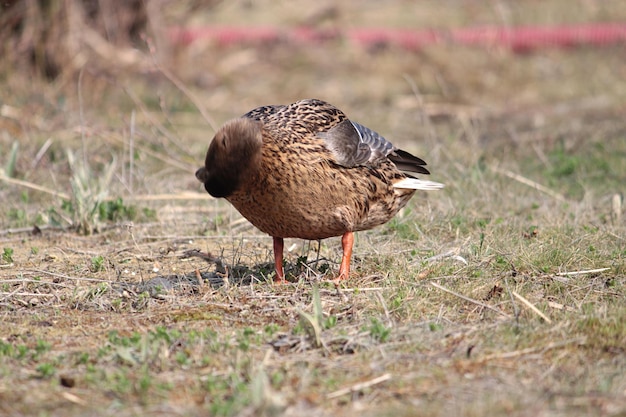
pixel 344 142
pixel 382 148
pixel 353 144
pixel 379 146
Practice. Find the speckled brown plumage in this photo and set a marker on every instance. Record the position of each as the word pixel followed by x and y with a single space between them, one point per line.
pixel 306 171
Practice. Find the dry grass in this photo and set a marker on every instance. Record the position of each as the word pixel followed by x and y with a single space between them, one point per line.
pixel 503 294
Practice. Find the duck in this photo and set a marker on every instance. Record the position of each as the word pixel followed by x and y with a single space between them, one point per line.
pixel 305 170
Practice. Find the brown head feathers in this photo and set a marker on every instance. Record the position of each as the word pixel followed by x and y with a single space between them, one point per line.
pixel 233 156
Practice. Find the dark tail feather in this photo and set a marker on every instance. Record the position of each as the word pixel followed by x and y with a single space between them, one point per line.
pixel 407 162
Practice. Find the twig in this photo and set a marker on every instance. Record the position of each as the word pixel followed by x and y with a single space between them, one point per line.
pixel 426 121
pixel 131 152
pixel 154 154
pixel 25 294
pixel 560 306
pixel 588 271
pixel 42 151
pixel 148 115
pixel 529 182
pixel 9 294
pixel 361 289
pixel 516 353
pixel 32 186
pixel 53 274
pixel 449 254
pixel 187 195
pixel 360 386
pixel 382 302
pixel 81 115
pixel 532 307
pixel 471 300
pixel 516 310
pixel 33 281
pixel 342 295
pixel 73 398
pixel 616 203
pixel 181 86
pixel 157 238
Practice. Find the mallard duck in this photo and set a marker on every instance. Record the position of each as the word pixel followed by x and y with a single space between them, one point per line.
pixel 304 170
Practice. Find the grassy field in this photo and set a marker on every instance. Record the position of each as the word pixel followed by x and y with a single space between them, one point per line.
pixel 501 295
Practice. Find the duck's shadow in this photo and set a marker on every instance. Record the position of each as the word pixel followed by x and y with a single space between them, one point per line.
pixel 223 275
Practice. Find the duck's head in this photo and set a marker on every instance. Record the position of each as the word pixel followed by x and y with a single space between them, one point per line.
pixel 233 157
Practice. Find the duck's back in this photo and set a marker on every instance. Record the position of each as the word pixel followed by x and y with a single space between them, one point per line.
pixel 303 117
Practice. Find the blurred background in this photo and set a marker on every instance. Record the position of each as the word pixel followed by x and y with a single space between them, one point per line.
pixel 502 294
pixel 490 93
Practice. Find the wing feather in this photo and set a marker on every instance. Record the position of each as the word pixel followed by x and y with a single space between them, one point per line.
pixel 353 144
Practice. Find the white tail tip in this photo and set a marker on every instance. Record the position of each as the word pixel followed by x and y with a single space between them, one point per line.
pixel 417 184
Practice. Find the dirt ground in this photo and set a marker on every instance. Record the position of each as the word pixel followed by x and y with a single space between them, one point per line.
pixel 126 290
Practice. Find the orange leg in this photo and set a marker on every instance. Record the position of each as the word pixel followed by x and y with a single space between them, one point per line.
pixel 347 241
pixel 278 260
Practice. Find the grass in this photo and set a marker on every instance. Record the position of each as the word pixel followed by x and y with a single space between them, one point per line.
pixel 503 294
